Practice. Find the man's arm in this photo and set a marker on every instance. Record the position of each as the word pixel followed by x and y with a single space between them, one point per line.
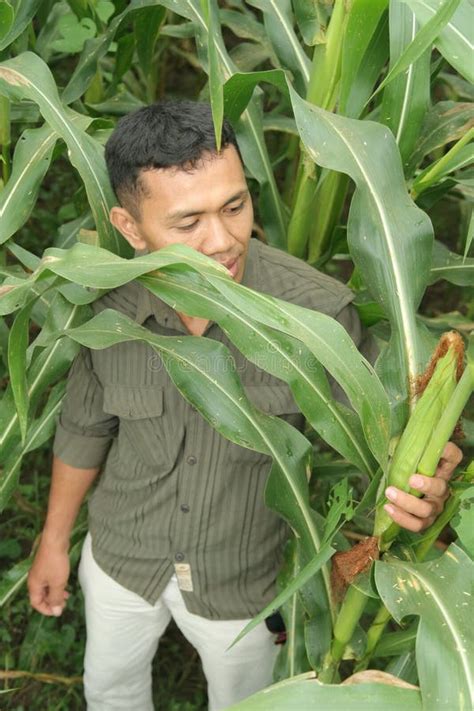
pixel 49 573
pixel 83 436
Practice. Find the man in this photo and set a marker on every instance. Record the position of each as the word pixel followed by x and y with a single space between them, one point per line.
pixel 177 523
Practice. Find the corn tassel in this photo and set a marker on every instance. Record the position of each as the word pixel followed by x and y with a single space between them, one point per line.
pixel 417 436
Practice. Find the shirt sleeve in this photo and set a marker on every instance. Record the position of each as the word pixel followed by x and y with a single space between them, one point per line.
pixel 84 432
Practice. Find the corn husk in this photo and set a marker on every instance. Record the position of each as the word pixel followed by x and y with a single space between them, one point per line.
pixel 439 383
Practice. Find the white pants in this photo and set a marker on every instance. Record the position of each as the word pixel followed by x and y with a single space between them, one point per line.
pixel 123 632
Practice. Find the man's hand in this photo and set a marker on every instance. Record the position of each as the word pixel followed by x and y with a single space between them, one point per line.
pixel 47 579
pixel 417 514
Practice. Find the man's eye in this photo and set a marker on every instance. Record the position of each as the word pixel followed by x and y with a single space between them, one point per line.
pixel 236 209
pixel 187 228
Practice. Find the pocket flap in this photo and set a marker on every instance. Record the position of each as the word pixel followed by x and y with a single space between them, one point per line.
pixel 272 399
pixel 134 402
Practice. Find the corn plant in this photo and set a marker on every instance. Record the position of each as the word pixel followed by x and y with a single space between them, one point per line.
pixel 339 94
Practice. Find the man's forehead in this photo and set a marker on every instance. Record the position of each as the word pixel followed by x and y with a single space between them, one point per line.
pixel 211 185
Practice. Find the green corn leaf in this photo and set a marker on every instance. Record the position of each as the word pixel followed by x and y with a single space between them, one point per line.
pixel 463 523
pixel 371 64
pixel 278 19
pixel 247 56
pixel 31 161
pixel 27 76
pixel 446 122
pixel 95 49
pixel 390 238
pixel 26 258
pixel 422 41
pixel 215 73
pixel 7 16
pixel 406 98
pixel 296 583
pixel 452 267
pixel 125 53
pixel 306 692
pixel 279 123
pixel 246 27
pixel 39 431
pixel 312 17
pixel 25 10
pixel 340 505
pixel 17 346
pixel 458 157
pixel 13 580
pixel 394 644
pixel 456 39
pixel 50 364
pixel 364 17
pixel 239 88
pixel 67 233
pixel 292 658
pixel 404 667
pixel 439 592
pixel 147 26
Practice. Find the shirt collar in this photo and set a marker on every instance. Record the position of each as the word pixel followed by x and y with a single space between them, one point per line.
pixel 150 305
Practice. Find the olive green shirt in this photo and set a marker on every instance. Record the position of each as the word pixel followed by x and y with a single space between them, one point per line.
pixel 174 496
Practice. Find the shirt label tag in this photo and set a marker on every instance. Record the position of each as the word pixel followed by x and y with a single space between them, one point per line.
pixel 183 573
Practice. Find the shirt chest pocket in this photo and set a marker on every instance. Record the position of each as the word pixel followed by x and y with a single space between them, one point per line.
pixel 147 431
pixel 276 400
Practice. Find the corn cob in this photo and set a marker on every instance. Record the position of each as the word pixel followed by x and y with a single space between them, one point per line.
pixel 416 439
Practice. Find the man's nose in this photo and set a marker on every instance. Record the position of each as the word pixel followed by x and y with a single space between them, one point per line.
pixel 218 238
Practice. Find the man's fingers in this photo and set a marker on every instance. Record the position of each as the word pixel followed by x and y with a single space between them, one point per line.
pixel 38 599
pixel 451 457
pixel 56 599
pixel 406 520
pixel 430 486
pixel 47 599
pixel 421 508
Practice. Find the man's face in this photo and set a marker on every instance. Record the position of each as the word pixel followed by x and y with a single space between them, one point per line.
pixel 208 209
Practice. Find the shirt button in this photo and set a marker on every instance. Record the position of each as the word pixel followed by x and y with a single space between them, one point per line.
pixel 179 557
pixel 191 460
pixel 184 508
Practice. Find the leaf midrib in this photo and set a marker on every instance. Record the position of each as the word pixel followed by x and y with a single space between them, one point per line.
pixel 449 25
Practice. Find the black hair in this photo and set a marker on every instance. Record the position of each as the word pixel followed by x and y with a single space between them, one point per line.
pixel 167 134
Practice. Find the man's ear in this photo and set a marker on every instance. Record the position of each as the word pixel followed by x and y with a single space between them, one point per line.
pixel 123 221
